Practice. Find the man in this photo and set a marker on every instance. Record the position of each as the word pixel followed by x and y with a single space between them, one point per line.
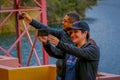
pixel 68 20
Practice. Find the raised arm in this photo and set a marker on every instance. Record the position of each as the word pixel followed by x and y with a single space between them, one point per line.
pixel 54 52
pixel 38 25
pixel 51 50
pixel 89 52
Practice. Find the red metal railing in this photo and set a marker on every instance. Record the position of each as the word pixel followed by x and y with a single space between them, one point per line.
pixel 17 9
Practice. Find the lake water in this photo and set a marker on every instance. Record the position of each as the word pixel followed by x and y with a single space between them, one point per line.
pixel 104 23
pixel 104 20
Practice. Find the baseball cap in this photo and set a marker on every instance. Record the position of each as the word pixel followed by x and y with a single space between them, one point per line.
pixel 80 25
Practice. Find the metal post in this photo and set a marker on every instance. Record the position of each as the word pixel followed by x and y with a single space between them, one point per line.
pixel 0 10
pixel 44 20
pixel 19 53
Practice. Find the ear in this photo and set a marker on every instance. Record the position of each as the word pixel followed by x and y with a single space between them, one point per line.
pixel 86 32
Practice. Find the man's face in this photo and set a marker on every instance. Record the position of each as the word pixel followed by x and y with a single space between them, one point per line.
pixel 66 23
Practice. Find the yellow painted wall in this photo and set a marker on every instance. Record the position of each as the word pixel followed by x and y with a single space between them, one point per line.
pixel 40 73
pixel 3 74
pixel 29 73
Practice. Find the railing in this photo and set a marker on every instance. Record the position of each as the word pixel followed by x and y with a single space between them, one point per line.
pixel 17 9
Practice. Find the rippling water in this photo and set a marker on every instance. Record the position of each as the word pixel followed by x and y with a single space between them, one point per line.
pixel 104 23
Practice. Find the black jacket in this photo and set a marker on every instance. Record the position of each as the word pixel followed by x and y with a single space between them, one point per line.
pixel 88 59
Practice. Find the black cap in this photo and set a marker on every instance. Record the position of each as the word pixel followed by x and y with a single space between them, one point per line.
pixel 80 25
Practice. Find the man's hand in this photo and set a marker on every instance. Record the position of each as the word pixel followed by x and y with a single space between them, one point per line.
pixel 53 40
pixel 43 39
pixel 26 17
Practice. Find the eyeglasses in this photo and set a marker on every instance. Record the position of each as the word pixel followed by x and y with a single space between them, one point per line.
pixel 66 21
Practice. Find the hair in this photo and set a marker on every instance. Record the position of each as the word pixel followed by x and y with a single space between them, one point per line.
pixel 87 36
pixel 73 17
pixel 92 41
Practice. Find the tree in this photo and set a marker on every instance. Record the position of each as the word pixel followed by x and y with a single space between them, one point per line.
pixel 56 9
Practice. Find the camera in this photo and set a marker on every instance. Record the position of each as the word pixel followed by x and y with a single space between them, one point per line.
pixel 21 16
pixel 43 32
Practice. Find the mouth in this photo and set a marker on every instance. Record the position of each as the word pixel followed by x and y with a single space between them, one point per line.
pixel 73 38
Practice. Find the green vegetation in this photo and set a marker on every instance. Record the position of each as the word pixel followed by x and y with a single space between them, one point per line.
pixel 56 9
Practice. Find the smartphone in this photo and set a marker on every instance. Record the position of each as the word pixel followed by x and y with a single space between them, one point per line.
pixel 43 32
